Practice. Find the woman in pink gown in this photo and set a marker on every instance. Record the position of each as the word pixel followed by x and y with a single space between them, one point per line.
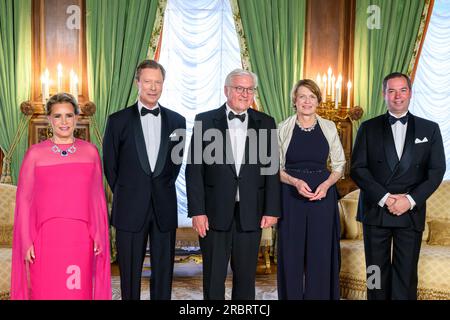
pixel 61 243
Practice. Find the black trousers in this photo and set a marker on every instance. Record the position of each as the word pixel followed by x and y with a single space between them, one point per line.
pixel 131 247
pixel 217 248
pixel 395 251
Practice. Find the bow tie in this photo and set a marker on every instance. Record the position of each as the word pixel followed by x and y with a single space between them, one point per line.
pixel 232 116
pixel 393 119
pixel 145 111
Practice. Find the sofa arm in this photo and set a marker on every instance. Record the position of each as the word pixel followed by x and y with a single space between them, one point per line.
pixel 352 229
pixel 5 272
pixel 6 235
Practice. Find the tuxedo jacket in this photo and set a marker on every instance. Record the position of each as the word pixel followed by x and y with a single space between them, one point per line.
pixel 376 169
pixel 211 188
pixel 128 172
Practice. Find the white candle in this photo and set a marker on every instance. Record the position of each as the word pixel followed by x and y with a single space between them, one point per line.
pixel 339 80
pixel 333 81
pixel 338 94
pixel 349 89
pixel 60 77
pixel 74 91
pixel 324 87
pixel 330 72
pixel 71 81
pixel 74 84
pixel 43 88
pixel 318 81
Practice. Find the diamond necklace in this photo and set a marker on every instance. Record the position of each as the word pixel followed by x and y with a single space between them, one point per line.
pixel 64 153
pixel 309 129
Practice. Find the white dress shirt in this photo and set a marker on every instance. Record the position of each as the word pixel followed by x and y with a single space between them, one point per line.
pixel 151 128
pixel 399 134
pixel 238 135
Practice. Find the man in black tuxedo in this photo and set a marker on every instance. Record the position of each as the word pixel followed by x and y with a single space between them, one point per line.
pixel 398 161
pixel 137 150
pixel 235 193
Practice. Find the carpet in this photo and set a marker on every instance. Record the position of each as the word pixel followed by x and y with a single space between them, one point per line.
pixel 187 284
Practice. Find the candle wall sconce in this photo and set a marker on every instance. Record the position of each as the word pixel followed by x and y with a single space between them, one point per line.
pixel 59 63
pixel 50 87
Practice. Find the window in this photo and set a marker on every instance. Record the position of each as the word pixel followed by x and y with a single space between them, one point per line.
pixel 431 89
pixel 199 48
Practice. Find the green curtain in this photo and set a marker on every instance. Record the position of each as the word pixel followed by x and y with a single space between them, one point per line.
pixel 15 73
pixel 379 52
pixel 275 33
pixel 118 36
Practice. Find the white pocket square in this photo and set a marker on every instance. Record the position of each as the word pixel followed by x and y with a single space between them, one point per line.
pixel 173 135
pixel 421 141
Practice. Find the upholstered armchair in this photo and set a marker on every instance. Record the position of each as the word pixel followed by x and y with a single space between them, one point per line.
pixel 7 206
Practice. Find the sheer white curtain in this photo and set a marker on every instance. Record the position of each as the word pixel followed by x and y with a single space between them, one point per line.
pixel 431 90
pixel 199 48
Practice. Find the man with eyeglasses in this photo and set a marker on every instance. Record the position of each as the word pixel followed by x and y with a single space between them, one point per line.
pixel 231 201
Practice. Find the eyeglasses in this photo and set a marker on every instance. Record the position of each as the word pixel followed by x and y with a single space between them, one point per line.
pixel 241 90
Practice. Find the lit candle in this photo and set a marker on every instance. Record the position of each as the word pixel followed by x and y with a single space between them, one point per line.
pixel 43 88
pixel 337 99
pixel 75 86
pixel 333 81
pixel 318 80
pixel 45 79
pixel 330 72
pixel 60 77
pixel 324 79
pixel 349 89
pixel 71 73
pixel 339 80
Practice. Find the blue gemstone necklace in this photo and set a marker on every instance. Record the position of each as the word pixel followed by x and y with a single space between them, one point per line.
pixel 64 153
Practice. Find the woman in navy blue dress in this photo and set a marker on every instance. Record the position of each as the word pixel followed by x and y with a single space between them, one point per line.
pixel 309 230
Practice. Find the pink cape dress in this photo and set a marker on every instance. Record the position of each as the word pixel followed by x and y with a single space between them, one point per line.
pixel 61 211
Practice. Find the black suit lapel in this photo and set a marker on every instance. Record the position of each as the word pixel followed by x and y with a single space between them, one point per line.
pixel 408 149
pixel 389 145
pixel 220 122
pixel 140 141
pixel 163 145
